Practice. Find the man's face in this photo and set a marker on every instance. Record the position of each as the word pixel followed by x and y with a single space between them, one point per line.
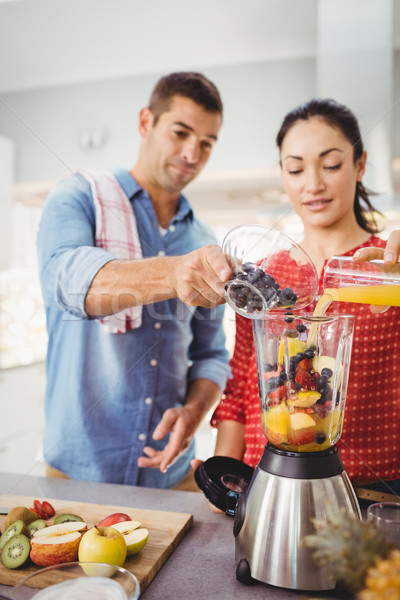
pixel 178 146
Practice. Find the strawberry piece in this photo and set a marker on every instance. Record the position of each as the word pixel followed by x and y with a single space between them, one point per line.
pixel 305 364
pixel 304 379
pixel 301 437
pixel 39 512
pixel 277 395
pixel 40 509
pixel 47 507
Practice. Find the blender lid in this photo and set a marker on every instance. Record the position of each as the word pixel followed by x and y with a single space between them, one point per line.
pixel 220 475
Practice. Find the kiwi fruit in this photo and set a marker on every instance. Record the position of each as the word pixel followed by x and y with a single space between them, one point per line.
pixel 16 551
pixel 66 517
pixel 13 529
pixel 36 525
pixel 20 512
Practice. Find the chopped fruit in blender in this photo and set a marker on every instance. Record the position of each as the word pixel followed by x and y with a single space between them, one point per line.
pixel 277 395
pixel 306 364
pixel 276 424
pixel 323 362
pixel 305 379
pixel 304 399
pixel 294 345
pixel 301 429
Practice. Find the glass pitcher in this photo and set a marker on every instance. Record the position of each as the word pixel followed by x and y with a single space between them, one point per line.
pixel 303 367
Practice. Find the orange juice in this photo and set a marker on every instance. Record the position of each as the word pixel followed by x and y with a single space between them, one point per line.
pixel 386 295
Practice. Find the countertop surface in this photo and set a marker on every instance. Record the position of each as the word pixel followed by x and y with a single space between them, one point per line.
pixel 202 567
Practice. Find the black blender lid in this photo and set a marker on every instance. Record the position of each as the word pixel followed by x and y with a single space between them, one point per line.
pixel 220 474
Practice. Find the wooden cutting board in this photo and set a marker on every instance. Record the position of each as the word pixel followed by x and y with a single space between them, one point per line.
pixel 166 530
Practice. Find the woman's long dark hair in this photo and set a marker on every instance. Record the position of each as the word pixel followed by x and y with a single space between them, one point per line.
pixel 338 116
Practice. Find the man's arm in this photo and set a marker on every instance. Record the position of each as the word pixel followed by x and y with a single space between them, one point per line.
pixel 182 422
pixel 196 278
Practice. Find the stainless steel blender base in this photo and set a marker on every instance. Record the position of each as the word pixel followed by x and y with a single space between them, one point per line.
pixel 272 519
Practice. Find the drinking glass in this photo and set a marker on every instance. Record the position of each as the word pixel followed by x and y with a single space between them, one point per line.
pixel 386 515
pixel 373 282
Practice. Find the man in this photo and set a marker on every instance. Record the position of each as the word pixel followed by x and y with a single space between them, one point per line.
pixel 123 406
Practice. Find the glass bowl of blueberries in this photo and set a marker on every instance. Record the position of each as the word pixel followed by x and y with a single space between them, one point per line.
pixel 270 271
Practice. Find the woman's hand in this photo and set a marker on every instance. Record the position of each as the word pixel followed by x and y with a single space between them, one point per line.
pixel 390 254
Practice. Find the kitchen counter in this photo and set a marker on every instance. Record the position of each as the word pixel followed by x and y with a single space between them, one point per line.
pixel 202 567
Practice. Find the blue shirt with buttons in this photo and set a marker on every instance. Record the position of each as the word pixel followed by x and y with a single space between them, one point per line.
pixel 107 392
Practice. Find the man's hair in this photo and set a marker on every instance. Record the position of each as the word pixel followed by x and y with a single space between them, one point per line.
pixel 189 85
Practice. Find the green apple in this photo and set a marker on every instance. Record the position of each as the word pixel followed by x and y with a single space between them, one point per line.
pixel 104 545
pixel 135 536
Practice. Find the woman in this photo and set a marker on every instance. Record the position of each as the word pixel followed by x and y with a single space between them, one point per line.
pixel 323 161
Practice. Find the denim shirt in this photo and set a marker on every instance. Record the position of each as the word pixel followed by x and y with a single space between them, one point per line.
pixel 106 392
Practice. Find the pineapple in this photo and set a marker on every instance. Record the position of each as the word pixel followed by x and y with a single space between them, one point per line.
pixel 347 547
pixel 383 579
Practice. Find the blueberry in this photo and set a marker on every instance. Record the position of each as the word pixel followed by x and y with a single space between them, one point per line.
pixel 301 328
pixel 327 372
pixel 241 276
pixel 254 276
pixel 282 377
pixel 268 293
pixel 300 356
pixel 310 352
pixel 268 279
pixel 248 266
pixel 287 297
pixel 320 438
pixel 289 319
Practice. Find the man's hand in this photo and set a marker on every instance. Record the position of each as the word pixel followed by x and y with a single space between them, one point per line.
pixel 199 276
pixel 390 254
pixel 182 422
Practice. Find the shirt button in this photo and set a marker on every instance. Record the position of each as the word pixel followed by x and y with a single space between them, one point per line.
pixel 148 400
pixel 142 437
pixel 157 325
pixel 161 253
pixel 153 362
pixel 172 227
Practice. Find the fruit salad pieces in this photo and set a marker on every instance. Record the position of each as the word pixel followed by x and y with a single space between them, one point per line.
pixel 253 290
pixel 27 537
pixel 300 414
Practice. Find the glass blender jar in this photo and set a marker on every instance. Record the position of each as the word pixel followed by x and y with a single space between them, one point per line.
pixel 303 366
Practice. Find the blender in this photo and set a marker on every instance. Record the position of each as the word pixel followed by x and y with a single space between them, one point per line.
pixel 302 366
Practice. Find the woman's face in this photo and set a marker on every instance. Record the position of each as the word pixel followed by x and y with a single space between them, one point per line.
pixel 318 172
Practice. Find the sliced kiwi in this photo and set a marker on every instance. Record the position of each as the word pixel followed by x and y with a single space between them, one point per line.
pixel 66 517
pixel 16 551
pixel 20 512
pixel 36 525
pixel 13 529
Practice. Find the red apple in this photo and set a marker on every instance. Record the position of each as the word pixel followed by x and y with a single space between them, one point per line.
pixel 56 544
pixel 112 519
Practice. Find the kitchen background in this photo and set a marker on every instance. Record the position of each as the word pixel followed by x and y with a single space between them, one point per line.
pixel 73 77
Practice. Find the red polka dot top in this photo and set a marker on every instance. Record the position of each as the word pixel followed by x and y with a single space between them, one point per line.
pixel 370 441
